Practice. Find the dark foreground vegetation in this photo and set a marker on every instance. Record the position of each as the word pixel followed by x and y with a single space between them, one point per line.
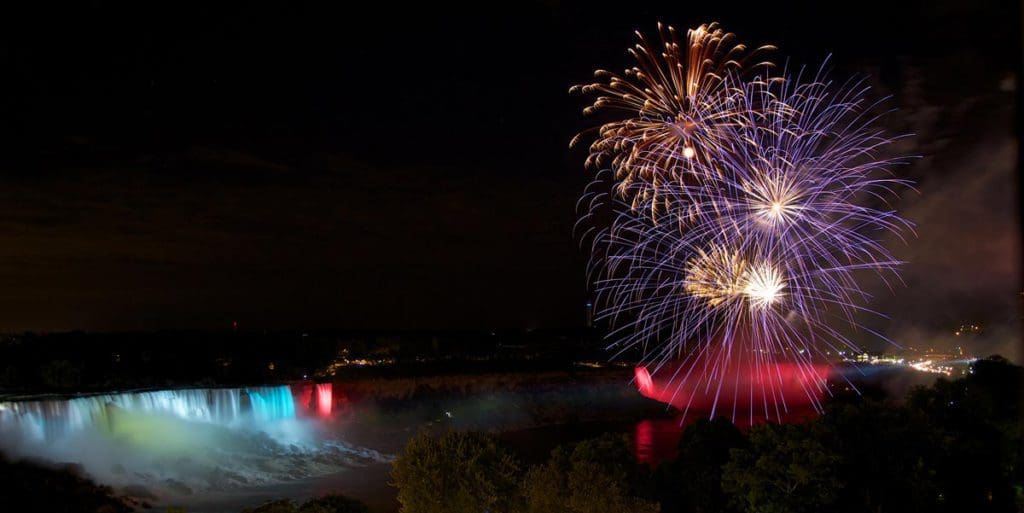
pixel 957 446
pixel 28 487
pixel 326 504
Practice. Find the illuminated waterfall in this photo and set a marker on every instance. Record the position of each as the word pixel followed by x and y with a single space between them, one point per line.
pixel 324 399
pixel 271 403
pixel 314 399
pixel 51 419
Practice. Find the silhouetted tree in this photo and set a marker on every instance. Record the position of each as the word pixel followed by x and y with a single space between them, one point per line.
pixel 332 504
pixel 783 470
pixel 456 473
pixel 597 476
pixel 327 504
pixel 887 456
pixel 27 487
pixel 276 506
pixel 693 482
pixel 976 431
pixel 546 487
pixel 61 375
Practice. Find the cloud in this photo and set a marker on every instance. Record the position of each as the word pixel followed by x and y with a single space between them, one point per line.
pixel 964 265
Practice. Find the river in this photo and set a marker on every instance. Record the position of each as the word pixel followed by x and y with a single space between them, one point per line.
pixel 225 449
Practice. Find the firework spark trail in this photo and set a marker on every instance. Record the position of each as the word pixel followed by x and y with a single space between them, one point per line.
pixel 676 100
pixel 735 244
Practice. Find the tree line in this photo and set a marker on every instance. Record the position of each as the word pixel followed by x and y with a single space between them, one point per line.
pixel 955 446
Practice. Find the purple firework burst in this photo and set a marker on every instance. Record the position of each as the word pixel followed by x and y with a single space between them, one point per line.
pixel 753 255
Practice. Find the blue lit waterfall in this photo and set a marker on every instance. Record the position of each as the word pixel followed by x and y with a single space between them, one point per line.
pixel 49 419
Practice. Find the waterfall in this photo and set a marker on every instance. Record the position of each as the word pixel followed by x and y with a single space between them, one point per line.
pixel 51 419
pixel 324 399
pixel 271 403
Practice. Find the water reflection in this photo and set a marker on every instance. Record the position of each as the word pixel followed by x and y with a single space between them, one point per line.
pixel 656 440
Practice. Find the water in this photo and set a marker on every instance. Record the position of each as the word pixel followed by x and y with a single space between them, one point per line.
pixel 55 419
pixel 271 403
pixel 178 445
pixel 225 449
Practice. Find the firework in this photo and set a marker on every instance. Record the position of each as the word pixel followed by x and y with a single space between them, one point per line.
pixel 804 172
pixel 670 106
pixel 752 264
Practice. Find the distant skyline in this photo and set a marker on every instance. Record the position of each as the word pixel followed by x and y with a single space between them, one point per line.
pixel 408 168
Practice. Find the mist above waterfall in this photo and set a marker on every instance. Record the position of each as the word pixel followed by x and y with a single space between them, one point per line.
pixel 180 442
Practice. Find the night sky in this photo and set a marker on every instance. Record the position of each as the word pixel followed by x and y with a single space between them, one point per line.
pixel 391 167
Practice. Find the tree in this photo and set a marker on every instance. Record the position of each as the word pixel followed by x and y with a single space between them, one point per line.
pixel 28 487
pixel 977 436
pixel 276 506
pixel 693 482
pixel 333 504
pixel 596 476
pixel 327 504
pixel 887 456
pixel 457 472
pixel 61 374
pixel 546 487
pixel 784 470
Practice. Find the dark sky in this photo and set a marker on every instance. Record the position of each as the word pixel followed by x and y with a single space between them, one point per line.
pixel 396 167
